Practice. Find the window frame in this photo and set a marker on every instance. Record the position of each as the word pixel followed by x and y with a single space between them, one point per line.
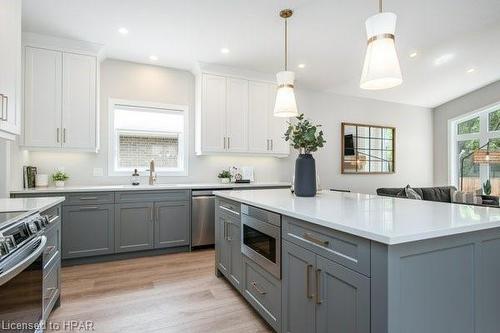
pixel 113 151
pixel 484 135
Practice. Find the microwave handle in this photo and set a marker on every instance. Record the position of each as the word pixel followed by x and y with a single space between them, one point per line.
pixel 20 266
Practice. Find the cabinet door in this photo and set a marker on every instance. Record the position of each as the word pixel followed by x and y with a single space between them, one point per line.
pixel 298 299
pixel 222 245
pixel 345 299
pixel 258 114
pixel 133 227
pixel 213 113
pixel 42 97
pixel 277 126
pixel 10 66
pixel 87 231
pixel 171 224
pixel 236 266
pixel 79 101
pixel 237 115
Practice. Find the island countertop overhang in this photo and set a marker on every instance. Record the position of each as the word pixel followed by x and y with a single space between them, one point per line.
pixel 386 220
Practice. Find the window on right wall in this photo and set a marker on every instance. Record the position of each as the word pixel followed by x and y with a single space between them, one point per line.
pixel 467 135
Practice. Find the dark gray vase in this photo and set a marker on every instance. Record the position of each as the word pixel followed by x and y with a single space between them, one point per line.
pixel 305 176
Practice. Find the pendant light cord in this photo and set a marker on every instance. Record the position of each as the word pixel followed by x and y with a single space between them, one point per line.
pixel 286 44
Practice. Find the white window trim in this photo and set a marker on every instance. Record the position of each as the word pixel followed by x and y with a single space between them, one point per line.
pixel 483 136
pixel 112 139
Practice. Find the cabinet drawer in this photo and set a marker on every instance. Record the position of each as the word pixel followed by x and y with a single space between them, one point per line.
pixel 230 208
pixel 148 196
pixel 53 249
pixel 263 292
pixel 345 249
pixel 51 286
pixel 89 198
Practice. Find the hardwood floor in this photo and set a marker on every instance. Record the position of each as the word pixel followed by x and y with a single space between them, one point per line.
pixel 168 293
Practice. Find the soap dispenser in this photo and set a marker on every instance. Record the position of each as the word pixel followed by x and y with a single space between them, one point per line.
pixel 135 178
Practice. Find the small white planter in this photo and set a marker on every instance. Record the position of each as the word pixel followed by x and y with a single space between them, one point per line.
pixel 225 180
pixel 59 183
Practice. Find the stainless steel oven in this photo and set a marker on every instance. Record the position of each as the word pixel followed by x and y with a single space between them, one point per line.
pixel 21 276
pixel 261 238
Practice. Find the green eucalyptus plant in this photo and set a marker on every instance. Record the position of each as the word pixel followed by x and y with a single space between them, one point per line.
pixel 224 174
pixel 304 136
pixel 59 176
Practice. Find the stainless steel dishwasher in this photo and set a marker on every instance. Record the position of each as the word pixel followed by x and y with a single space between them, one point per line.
pixel 203 218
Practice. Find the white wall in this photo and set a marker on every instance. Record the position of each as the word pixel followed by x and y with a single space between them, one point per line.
pixel 413 139
pixel 475 100
pixel 132 81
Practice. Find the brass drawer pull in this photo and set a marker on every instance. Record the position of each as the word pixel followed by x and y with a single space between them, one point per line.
pixel 88 198
pixel 89 208
pixel 228 210
pixel 311 238
pixel 318 287
pixel 308 287
pixel 260 291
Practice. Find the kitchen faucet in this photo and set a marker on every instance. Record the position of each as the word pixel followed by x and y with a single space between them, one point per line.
pixel 152 173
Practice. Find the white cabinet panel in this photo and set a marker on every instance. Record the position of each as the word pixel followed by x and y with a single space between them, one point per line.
pixel 237 115
pixel 10 66
pixel 213 113
pixel 277 126
pixel 42 99
pixel 79 101
pixel 258 93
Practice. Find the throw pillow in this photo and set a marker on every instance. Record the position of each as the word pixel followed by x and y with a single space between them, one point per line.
pixel 466 198
pixel 411 193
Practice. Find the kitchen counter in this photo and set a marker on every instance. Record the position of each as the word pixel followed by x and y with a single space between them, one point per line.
pixel 145 187
pixel 28 204
pixel 382 219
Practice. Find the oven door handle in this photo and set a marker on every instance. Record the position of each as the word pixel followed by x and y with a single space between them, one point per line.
pixel 20 266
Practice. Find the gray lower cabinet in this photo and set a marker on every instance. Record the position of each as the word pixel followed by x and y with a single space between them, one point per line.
pixel 236 260
pixel 171 224
pixel 222 245
pixel 134 226
pixel 320 295
pixel 87 231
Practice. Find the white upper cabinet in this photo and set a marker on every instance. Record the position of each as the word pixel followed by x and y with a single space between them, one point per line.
pixel 213 104
pixel 235 115
pixel 42 98
pixel 79 101
pixel 60 98
pixel 10 68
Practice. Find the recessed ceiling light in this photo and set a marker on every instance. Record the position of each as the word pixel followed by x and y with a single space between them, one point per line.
pixel 224 50
pixel 123 31
pixel 443 59
pixel 301 66
pixel 471 70
pixel 413 54
pixel 153 58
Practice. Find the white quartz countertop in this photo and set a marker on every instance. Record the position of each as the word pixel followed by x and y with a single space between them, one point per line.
pixel 156 187
pixel 382 219
pixel 28 204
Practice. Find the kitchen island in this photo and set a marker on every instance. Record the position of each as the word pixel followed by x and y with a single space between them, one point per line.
pixel 363 263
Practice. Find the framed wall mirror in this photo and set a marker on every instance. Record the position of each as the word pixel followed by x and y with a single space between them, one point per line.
pixel 367 149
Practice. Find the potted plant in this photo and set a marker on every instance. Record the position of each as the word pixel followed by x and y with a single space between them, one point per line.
pixel 306 138
pixel 224 176
pixel 487 187
pixel 59 177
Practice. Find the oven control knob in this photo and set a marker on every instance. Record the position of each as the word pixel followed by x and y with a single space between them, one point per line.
pixel 32 226
pixel 45 219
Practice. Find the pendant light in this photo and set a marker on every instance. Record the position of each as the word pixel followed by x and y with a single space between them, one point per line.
pixel 285 97
pixel 381 68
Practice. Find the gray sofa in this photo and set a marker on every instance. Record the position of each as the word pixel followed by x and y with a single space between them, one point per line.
pixel 438 193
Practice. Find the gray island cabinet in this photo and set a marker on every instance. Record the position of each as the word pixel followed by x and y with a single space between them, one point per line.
pixel 355 263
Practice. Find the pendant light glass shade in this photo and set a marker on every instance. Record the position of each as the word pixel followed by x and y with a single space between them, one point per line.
pixel 285 97
pixel 381 68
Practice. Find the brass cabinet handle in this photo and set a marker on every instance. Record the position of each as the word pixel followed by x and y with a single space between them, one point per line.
pixel 64 135
pixel 5 106
pixel 151 213
pixel 260 291
pixel 308 287
pixel 228 142
pixel 89 208
pixel 318 287
pixel 50 248
pixel 1 115
pixel 225 229
pixel 272 148
pixel 88 198
pixel 229 232
pixel 57 135
pixel 229 210
pixel 224 142
pixel 308 236
pixel 267 141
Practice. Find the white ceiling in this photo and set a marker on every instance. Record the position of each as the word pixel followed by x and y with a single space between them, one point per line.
pixel 327 35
